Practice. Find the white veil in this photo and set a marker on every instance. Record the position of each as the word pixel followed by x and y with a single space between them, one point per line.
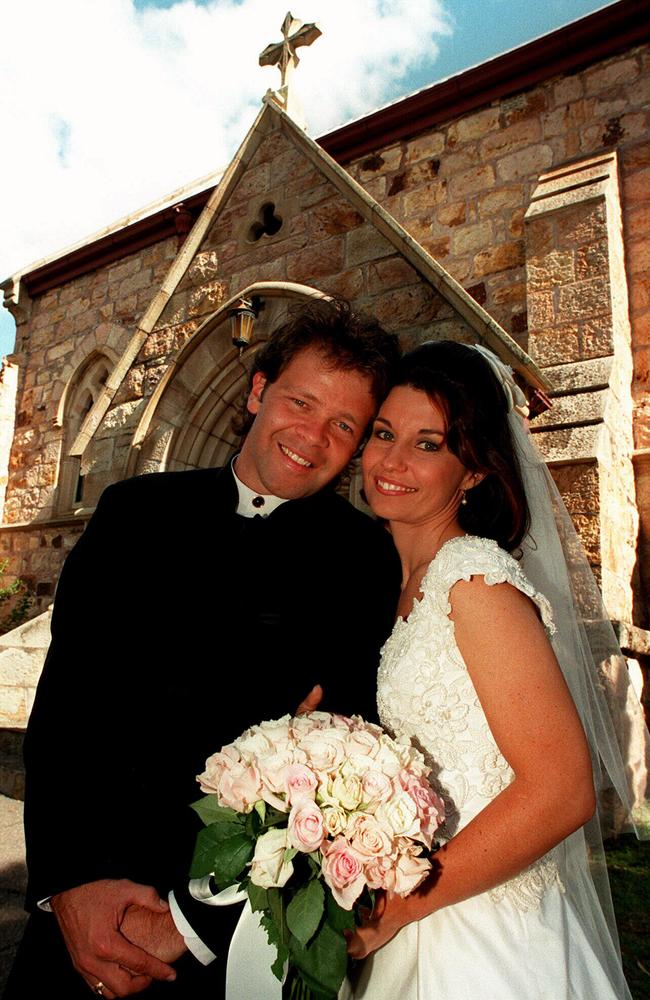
pixel 596 672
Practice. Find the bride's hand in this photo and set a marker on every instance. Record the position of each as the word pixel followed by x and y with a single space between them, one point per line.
pixel 387 919
pixel 311 702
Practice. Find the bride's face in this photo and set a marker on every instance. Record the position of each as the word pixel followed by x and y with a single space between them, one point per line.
pixel 409 474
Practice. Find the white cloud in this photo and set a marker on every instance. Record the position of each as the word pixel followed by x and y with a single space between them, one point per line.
pixel 106 108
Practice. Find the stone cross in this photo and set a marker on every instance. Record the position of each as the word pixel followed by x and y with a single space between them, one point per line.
pixel 283 55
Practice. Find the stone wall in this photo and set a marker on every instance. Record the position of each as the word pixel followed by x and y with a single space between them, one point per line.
pixel 462 190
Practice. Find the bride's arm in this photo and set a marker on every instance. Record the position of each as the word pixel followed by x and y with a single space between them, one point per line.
pixel 535 724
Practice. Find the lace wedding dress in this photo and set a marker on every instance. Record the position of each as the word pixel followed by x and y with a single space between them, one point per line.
pixel 530 938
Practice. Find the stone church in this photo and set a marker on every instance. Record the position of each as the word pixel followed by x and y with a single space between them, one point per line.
pixel 508 205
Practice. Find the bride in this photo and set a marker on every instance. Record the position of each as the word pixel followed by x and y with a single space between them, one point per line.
pixel 470 673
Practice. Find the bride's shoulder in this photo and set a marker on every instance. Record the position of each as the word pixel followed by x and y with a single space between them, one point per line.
pixel 469 556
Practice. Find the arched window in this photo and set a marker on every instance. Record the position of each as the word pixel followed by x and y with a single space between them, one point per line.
pixel 81 393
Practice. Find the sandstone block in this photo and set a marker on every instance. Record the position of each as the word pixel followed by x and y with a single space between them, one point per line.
pixel 472 181
pixel 431 144
pixel 568 89
pixel 384 161
pixel 541 309
pixel 423 199
pixel 500 200
pixel 439 249
pixel 453 215
pixel 473 126
pixel 506 140
pixel 392 272
pixel 469 239
pixel 579 486
pixel 513 292
pixel 207 298
pixel 583 300
pixel 617 72
pixel 204 267
pixel 405 307
pixel 364 244
pixel 526 163
pixel 591 261
pixel 554 269
pixel 499 258
pixel 593 373
pixel 255 181
pixel 348 284
pixel 332 218
pixel 554 344
pixel 574 409
pixel 520 106
pixel 540 237
pixel 596 337
pixel 569 443
pixel 325 257
pixel 580 224
pixel 124 269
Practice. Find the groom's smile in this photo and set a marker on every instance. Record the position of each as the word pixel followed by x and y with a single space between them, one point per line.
pixel 308 424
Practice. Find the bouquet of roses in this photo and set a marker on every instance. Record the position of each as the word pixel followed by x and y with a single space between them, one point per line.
pixel 311 815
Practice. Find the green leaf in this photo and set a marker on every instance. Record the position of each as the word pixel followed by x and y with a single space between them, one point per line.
pixel 232 856
pixel 324 962
pixel 338 918
pixel 305 910
pixel 278 911
pixel 210 811
pixel 204 853
pixel 260 809
pixel 290 854
pixel 259 897
pixel 275 939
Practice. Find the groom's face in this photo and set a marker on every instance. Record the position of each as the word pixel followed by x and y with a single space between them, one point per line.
pixel 308 424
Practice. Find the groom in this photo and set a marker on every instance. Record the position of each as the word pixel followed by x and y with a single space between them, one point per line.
pixel 182 617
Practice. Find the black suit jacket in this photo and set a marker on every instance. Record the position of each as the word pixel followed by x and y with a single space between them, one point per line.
pixel 177 624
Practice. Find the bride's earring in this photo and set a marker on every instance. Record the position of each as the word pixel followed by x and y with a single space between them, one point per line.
pixel 463 499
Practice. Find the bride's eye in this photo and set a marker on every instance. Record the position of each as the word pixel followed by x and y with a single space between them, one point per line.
pixel 383 434
pixel 427 445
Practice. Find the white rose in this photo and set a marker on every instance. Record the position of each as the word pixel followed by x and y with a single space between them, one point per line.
pixel 346 789
pixel 399 816
pixel 268 867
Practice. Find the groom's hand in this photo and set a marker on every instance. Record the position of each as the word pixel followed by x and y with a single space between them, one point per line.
pixel 156 933
pixel 90 916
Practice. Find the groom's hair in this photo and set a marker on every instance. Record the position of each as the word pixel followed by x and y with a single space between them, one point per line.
pixel 347 340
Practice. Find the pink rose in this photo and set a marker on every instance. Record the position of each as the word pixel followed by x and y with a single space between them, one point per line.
pixel 240 787
pixel 367 837
pixel 430 807
pixel 343 871
pixel 305 827
pixel 301 783
pixel 215 766
pixel 376 787
pixel 407 875
pixel 378 873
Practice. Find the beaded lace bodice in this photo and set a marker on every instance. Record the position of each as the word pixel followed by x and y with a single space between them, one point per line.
pixel 426 693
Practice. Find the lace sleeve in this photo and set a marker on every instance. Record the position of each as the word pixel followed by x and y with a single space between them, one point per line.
pixel 468 556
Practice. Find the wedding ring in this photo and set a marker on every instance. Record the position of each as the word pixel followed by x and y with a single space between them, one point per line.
pixel 98 988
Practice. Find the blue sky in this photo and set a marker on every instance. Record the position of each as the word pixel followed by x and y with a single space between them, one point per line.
pixel 112 104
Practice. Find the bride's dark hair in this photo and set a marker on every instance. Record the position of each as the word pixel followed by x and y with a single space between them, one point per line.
pixel 462 383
